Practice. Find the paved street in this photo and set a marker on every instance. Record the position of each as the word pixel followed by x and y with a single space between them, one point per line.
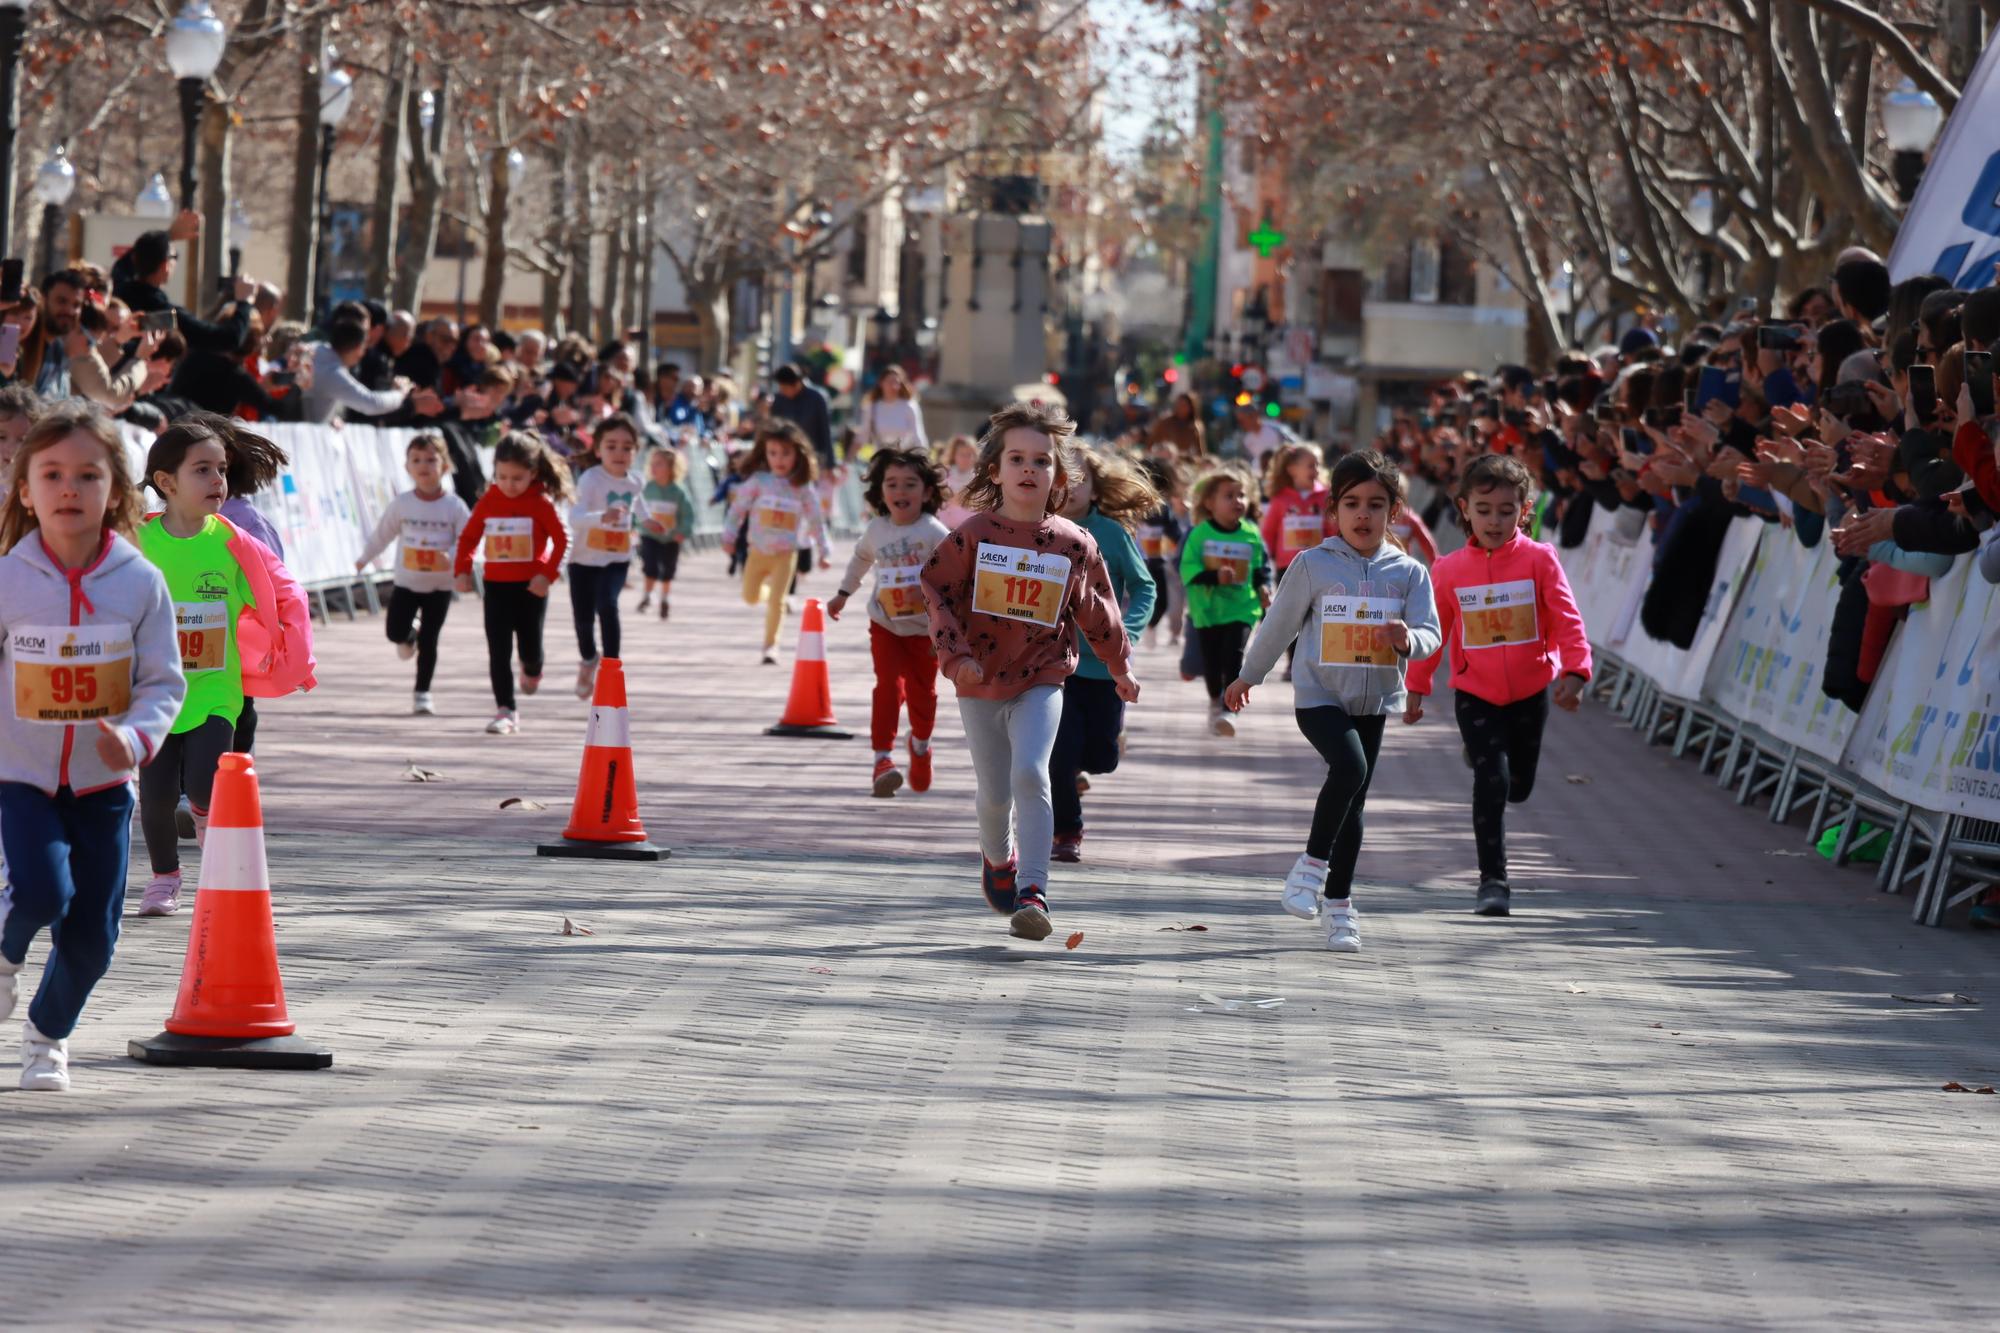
pixel 799 1076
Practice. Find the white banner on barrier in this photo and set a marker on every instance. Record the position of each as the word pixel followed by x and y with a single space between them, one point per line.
pixel 1930 731
pixel 1768 669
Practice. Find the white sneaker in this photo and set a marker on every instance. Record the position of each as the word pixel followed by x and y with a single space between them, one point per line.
pixel 526 683
pixel 407 649
pixel 1218 721
pixel 420 704
pixel 44 1061
pixel 184 820
pixel 586 678
pixel 1343 931
pixel 8 985
pixel 1303 888
pixel 162 896
pixel 770 657
pixel 505 723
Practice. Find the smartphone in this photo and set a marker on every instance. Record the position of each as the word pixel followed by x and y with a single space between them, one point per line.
pixel 282 379
pixel 1663 418
pixel 1849 400
pixel 10 343
pixel 1777 337
pixel 1717 383
pixel 157 321
pixel 12 275
pixel 1923 392
pixel 1979 382
pixel 1636 441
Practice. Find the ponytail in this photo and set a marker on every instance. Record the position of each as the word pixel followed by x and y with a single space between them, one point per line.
pixel 528 451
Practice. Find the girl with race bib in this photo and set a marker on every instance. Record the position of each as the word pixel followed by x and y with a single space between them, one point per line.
pixel 783 513
pixel 1295 520
pixel 1367 611
pixel 425 523
pixel 904 492
pixel 610 504
pixel 206 561
pixel 1008 590
pixel 1228 578
pixel 94 675
pixel 1160 535
pixel 669 522
pixel 1510 628
pixel 519 532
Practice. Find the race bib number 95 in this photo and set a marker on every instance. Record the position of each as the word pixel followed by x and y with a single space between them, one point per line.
pixel 69 674
pixel 1016 584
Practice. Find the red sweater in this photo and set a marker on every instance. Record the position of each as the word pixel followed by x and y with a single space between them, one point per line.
pixel 1287 503
pixel 1017 614
pixel 1972 450
pixel 546 538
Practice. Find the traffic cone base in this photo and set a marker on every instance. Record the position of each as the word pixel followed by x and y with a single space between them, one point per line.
pixel 603 851
pixel 809 709
pixel 173 1050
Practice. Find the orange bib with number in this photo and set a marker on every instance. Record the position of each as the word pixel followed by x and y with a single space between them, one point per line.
pixel 1017 584
pixel 1229 560
pixel 900 593
pixel 67 674
pixel 613 540
pixel 510 539
pixel 1302 531
pixel 1354 631
pixel 203 631
pixel 1153 541
pixel 775 515
pixel 425 554
pixel 1496 614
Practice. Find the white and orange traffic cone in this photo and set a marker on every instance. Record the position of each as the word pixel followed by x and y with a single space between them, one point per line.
pixel 230 1013
pixel 604 822
pixel 809 710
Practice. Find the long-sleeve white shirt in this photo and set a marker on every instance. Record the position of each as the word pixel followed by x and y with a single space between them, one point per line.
pixel 426 537
pixel 598 539
pixel 890 421
pixel 899 552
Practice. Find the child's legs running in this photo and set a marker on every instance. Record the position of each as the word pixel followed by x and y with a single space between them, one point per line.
pixel 610 583
pixel 1526 720
pixel 201 755
pixel 401 617
pixel 753 576
pixel 433 607
pixel 66 863
pixel 1066 759
pixel 887 701
pixel 1490 732
pixel 159 793
pixel 1032 720
pixel 1349 745
pixel 1222 655
pixel 986 740
pixel 532 614
pixel 1103 719
pixel 779 572
pixel 583 581
pixel 246 726
pixel 920 674
pixel 1158 569
pixel 500 610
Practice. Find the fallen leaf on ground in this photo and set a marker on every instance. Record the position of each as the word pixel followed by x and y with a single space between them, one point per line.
pixel 1237 1006
pixel 1575 989
pixel 576 928
pixel 1580 779
pixel 1188 928
pixel 1073 940
pixel 823 971
pixel 418 774
pixel 521 803
pixel 1941 997
pixel 1956 1086
pixel 1782 851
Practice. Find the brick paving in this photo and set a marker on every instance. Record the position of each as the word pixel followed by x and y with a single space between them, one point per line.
pixel 799 1076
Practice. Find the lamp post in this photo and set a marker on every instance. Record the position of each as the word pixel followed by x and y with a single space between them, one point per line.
pixel 1701 216
pixel 194 49
pixel 239 232
pixel 336 98
pixel 154 203
pixel 1910 121
pixel 13 22
pixel 884 320
pixel 55 181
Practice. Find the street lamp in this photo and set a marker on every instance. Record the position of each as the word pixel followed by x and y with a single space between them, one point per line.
pixel 1910 121
pixel 154 202
pixel 194 49
pixel 884 320
pixel 55 182
pixel 336 98
pixel 13 22
pixel 239 232
pixel 1701 216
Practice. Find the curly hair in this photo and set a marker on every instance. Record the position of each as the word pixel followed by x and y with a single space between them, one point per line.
pixel 1121 489
pixel 805 462
pixel 1204 490
pixel 983 492
pixel 935 491
pixel 122 511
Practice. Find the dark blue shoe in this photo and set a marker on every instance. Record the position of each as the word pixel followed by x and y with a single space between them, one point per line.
pixel 997 883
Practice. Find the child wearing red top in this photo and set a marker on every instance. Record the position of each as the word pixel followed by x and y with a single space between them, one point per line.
pixel 1008 590
pixel 524 539
pixel 1510 626
pixel 1296 519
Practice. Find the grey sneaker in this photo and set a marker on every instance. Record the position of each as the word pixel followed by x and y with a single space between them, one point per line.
pixel 1493 899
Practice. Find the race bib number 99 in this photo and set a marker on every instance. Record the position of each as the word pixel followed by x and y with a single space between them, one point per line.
pixel 64 675
pixel 510 539
pixel 1016 584
pixel 203 631
pixel 1499 613
pixel 1354 631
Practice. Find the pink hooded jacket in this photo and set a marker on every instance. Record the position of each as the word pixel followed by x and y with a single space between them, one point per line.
pixel 1510 623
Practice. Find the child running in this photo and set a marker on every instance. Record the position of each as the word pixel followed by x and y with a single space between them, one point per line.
pixel 87 627
pixel 1510 627
pixel 1295 521
pixel 1228 579
pixel 524 540
pixel 1007 590
pixel 1160 535
pixel 960 458
pixel 610 502
pixel 1108 498
pixel 669 522
pixel 425 523
pixel 782 510
pixel 903 490
pixel 1371 609
pixel 253 463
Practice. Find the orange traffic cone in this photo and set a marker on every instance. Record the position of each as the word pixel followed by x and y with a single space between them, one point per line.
pixel 231 1009
pixel 809 712
pixel 604 822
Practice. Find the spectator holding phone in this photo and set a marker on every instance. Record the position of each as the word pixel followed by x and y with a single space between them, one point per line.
pixel 154 258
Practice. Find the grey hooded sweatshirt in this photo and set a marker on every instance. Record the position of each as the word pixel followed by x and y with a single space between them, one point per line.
pixel 1335 602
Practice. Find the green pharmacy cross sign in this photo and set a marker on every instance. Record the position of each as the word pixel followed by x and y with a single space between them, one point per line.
pixel 1266 238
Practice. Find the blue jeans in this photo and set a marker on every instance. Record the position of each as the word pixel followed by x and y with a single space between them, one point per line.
pixel 66 864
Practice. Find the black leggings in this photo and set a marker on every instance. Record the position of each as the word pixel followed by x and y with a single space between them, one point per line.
pixel 1222 654
pixel 593 599
pixel 1505 742
pixel 1086 742
pixel 423 612
pixel 187 761
pixel 513 615
pixel 1157 567
pixel 246 726
pixel 1349 745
